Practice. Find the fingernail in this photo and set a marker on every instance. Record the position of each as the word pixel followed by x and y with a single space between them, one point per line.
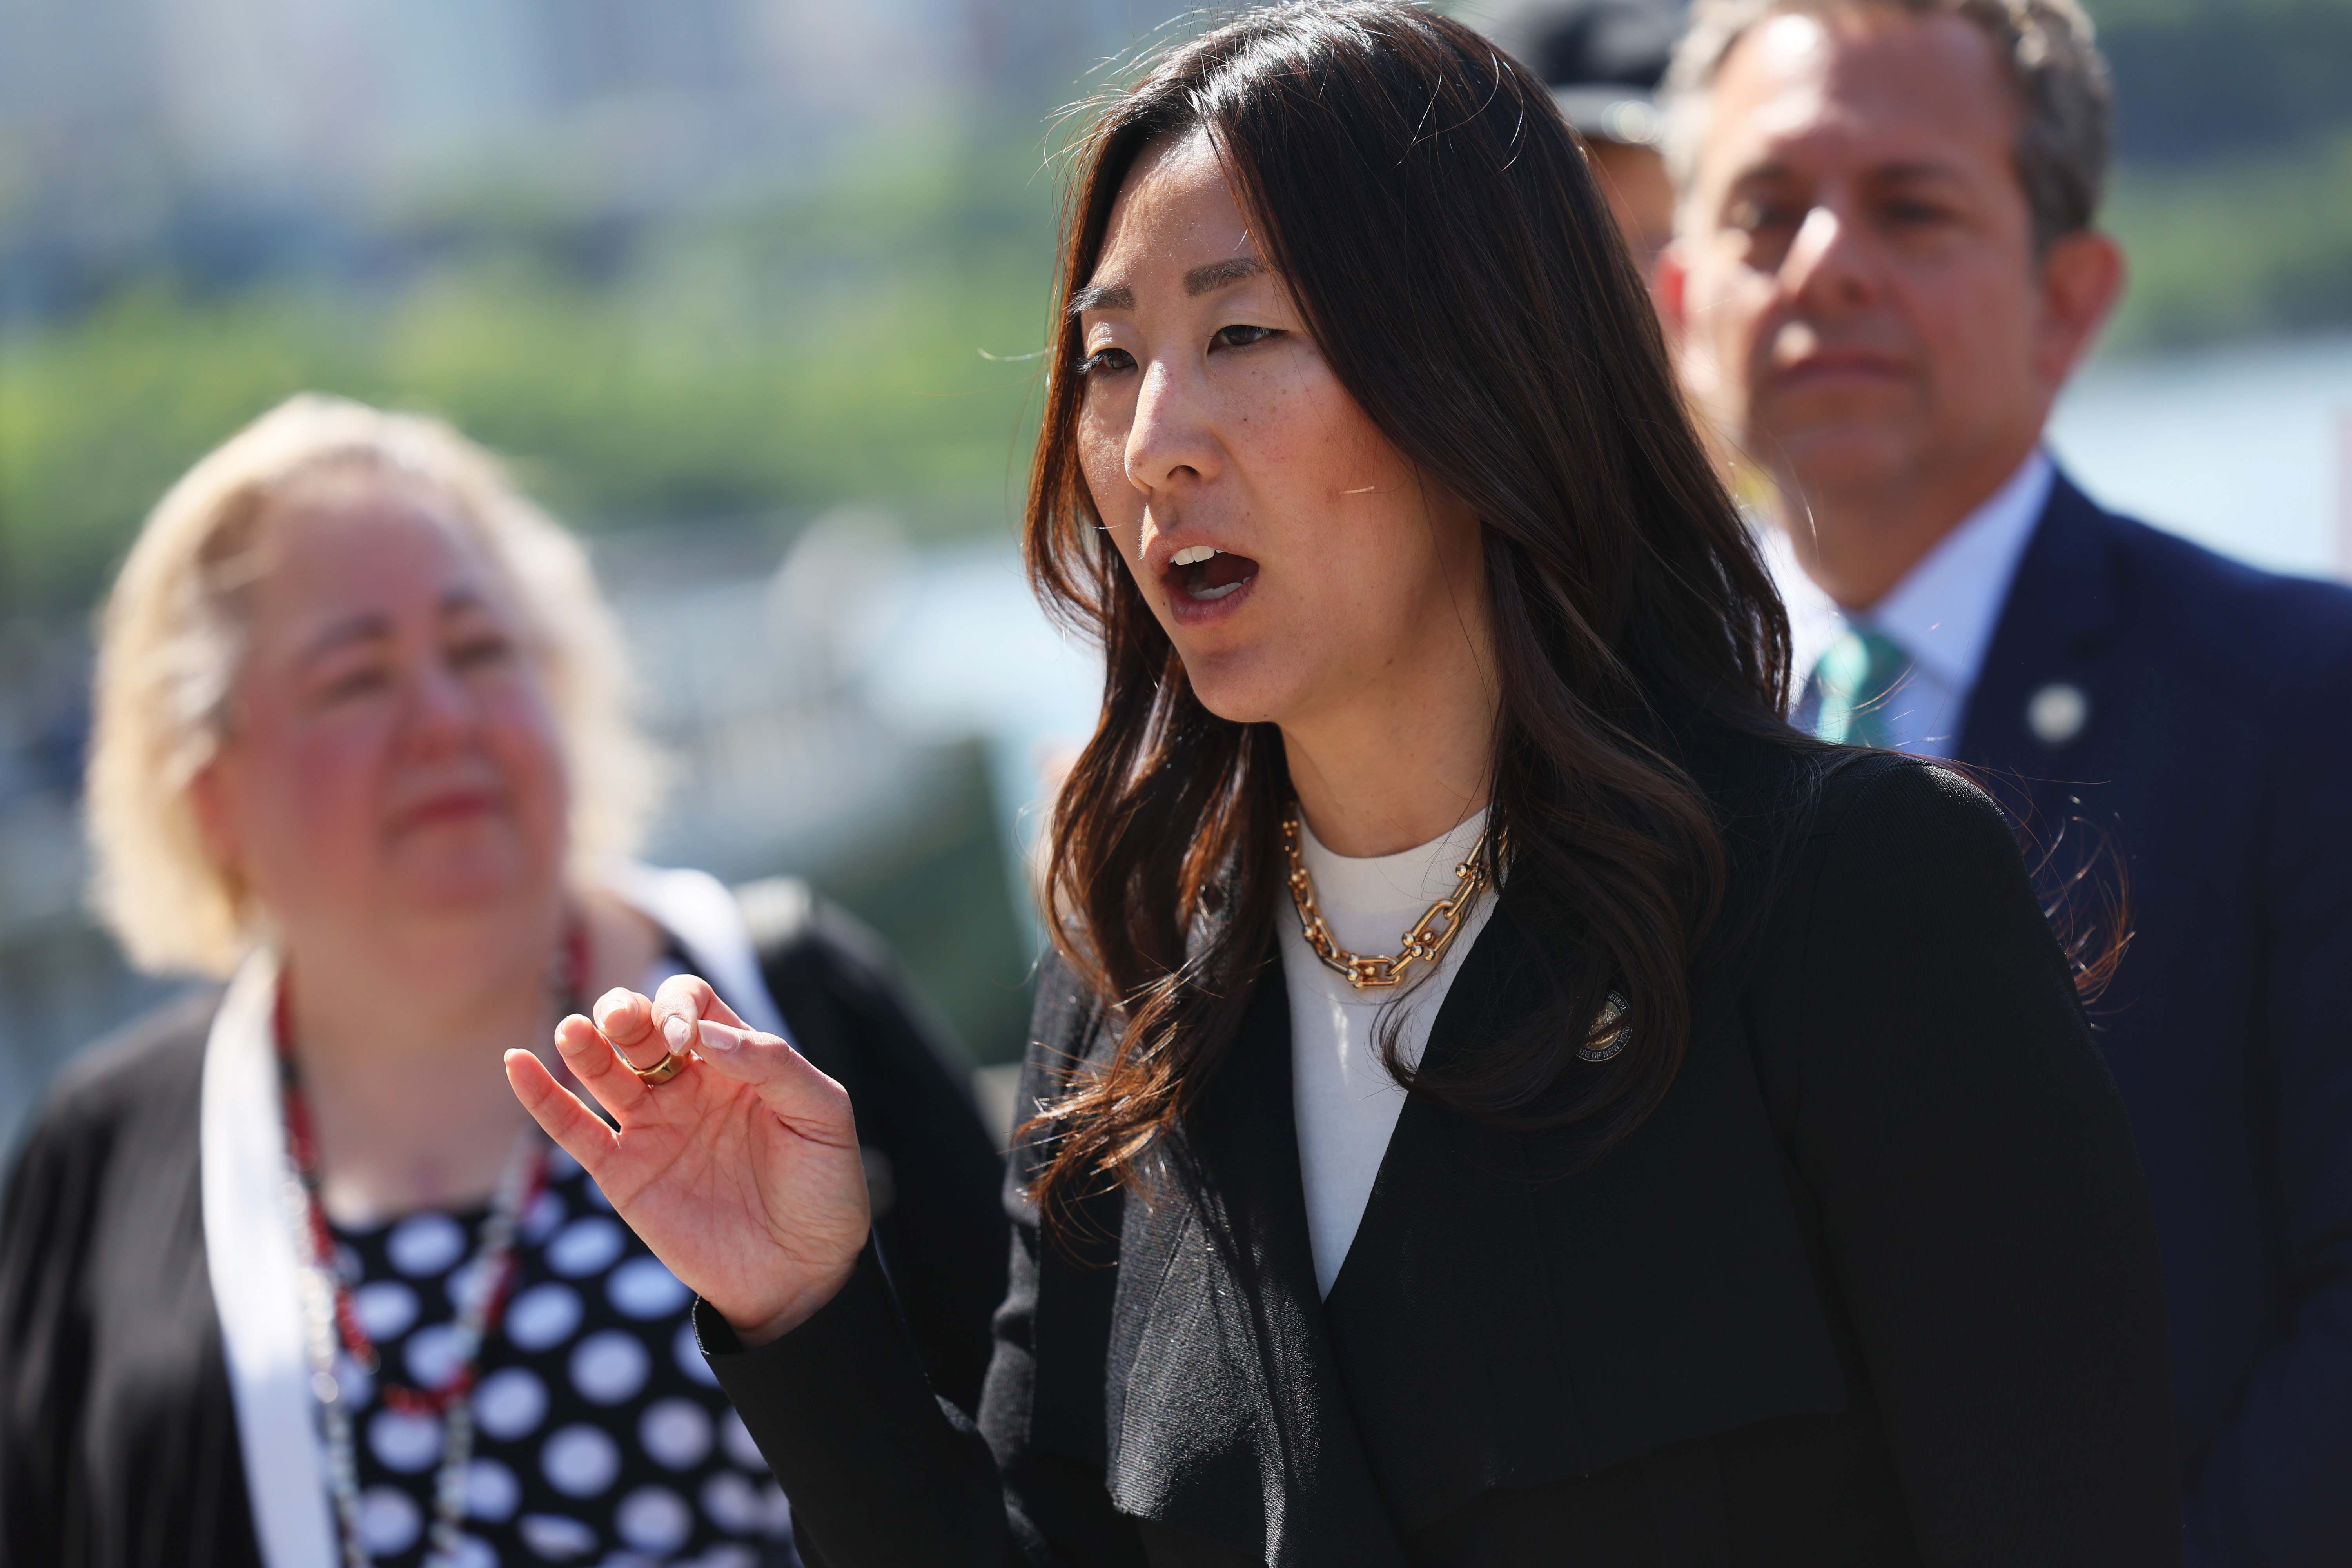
pixel 678 1032
pixel 719 1037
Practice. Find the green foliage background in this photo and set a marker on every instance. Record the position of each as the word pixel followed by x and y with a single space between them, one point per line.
pixel 2234 194
pixel 762 357
pixel 776 356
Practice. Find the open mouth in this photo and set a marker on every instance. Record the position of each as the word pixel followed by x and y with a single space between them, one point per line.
pixel 1205 576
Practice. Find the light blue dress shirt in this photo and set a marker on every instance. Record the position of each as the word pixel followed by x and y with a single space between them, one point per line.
pixel 1943 612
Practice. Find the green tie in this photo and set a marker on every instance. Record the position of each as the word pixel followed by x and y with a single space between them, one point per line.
pixel 1855 679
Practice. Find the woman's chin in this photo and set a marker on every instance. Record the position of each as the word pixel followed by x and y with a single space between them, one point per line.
pixel 471 887
pixel 1240 684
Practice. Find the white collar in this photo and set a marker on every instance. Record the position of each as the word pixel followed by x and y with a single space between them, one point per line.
pixel 246 1187
pixel 249 1198
pixel 1945 608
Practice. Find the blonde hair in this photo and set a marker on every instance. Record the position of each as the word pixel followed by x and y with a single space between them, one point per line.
pixel 172 641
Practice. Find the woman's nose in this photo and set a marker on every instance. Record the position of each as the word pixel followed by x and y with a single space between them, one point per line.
pixel 1174 436
pixel 441 707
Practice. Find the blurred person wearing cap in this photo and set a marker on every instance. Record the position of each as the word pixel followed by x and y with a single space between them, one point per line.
pixel 1884 272
pixel 1603 60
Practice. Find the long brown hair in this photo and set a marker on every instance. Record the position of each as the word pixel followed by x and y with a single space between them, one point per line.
pixel 1433 218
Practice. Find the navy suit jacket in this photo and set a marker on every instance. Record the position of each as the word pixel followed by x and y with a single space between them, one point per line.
pixel 2216 760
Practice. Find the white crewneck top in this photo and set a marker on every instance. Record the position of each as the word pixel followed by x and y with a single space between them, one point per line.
pixel 1344 1101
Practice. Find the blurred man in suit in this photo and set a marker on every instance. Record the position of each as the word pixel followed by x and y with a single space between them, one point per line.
pixel 1884 269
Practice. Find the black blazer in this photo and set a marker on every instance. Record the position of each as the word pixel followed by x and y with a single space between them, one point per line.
pixel 119 1442
pixel 1875 1286
pixel 2213 761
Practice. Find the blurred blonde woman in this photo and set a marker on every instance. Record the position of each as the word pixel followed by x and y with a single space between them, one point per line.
pixel 287 1274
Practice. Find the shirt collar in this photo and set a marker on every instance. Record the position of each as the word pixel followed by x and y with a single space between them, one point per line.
pixel 1945 610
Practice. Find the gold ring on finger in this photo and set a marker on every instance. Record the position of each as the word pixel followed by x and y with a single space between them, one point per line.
pixel 661 1071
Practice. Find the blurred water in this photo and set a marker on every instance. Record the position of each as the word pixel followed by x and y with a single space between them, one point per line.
pixel 958 647
pixel 2240 447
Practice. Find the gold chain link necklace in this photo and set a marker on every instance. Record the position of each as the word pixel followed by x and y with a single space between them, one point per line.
pixel 1425 943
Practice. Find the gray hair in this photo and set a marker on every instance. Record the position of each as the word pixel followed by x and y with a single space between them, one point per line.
pixel 2063 138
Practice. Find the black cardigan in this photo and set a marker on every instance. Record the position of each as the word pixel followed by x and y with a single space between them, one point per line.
pixel 118 1432
pixel 1875 1286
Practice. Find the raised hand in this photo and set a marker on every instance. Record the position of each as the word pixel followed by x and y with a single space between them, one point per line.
pixel 741 1173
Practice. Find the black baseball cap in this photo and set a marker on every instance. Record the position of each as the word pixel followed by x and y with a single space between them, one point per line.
pixel 1603 59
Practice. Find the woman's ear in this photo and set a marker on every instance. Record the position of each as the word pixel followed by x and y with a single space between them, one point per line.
pixel 209 798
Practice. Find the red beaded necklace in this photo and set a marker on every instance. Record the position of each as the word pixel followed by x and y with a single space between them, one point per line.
pixel 569 981
pixel 338 1325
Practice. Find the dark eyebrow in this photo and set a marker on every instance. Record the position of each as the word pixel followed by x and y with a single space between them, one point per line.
pixel 1205 279
pixel 1102 297
pixel 1222 274
pixel 1895 173
pixel 1914 169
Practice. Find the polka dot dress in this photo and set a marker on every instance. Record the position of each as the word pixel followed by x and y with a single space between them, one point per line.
pixel 601 1437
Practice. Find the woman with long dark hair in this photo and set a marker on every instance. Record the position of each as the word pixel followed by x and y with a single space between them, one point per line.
pixel 1500 1094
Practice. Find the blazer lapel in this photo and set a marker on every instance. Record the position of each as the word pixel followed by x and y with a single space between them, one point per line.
pixel 1226 1417
pixel 1495 1324
pixel 2040 698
